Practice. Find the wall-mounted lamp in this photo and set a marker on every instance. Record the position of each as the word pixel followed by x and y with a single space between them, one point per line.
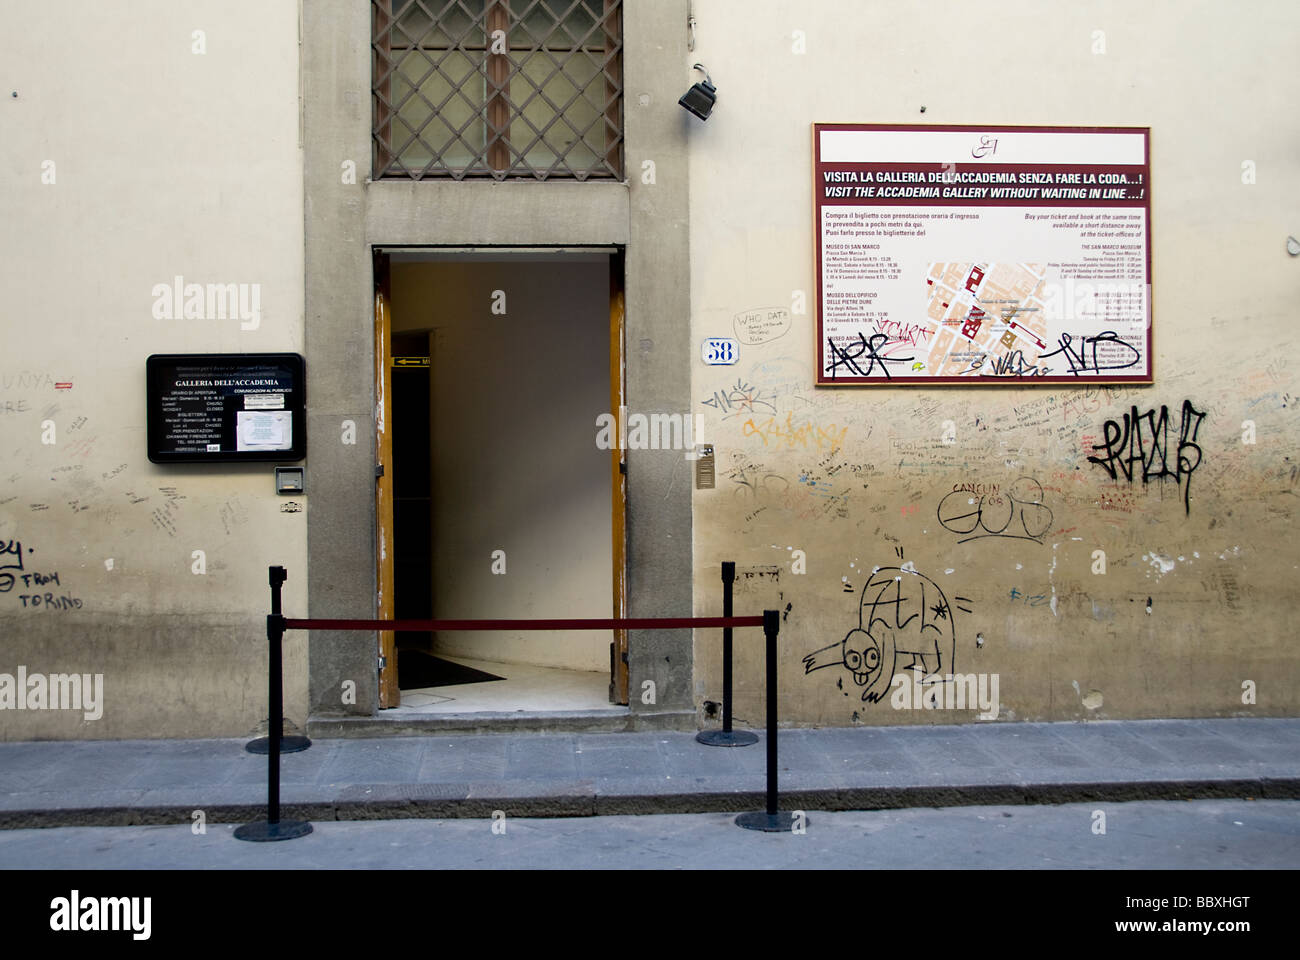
pixel 700 99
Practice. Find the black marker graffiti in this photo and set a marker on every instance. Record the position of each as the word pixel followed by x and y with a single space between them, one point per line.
pixel 754 485
pixel 10 548
pixel 1018 514
pixel 849 357
pixel 1144 440
pixel 12 570
pixel 901 613
pixel 1014 365
pixel 1078 358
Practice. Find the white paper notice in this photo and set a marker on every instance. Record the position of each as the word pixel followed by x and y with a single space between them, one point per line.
pixel 272 430
pixel 264 401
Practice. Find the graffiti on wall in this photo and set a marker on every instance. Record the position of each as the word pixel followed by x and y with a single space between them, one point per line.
pixel 741 397
pixel 977 510
pixel 792 435
pixel 904 621
pixel 15 573
pixel 1139 448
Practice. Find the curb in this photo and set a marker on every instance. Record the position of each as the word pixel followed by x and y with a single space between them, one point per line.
pixel 423 801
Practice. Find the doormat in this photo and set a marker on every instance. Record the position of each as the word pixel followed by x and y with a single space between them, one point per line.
pixel 417 670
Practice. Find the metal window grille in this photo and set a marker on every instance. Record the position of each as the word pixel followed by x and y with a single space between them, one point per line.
pixel 497 88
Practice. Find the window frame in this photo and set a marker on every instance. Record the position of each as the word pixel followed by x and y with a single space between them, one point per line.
pixel 500 155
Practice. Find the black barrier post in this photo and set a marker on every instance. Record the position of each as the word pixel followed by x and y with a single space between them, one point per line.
pixel 726 737
pixel 273 828
pixel 291 743
pixel 770 820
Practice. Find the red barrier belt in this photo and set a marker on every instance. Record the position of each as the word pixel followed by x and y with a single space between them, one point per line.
pixel 612 623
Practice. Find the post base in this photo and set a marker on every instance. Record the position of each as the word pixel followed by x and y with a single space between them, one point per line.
pixel 260 831
pixel 288 744
pixel 782 822
pixel 726 738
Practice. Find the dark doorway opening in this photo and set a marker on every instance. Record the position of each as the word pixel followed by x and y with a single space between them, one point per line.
pixel 417 667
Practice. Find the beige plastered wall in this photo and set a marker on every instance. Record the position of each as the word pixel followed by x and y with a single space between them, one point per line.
pixel 137 149
pixel 1195 608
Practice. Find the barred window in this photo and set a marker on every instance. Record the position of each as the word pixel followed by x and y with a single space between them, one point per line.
pixel 497 88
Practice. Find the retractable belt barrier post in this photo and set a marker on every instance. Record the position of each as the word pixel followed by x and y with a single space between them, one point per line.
pixel 726 737
pixel 291 743
pixel 273 828
pixel 770 820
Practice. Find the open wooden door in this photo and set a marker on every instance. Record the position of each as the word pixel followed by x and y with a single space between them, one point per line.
pixel 389 695
pixel 618 680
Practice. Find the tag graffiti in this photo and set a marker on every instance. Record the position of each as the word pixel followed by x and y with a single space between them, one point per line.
pixel 1139 448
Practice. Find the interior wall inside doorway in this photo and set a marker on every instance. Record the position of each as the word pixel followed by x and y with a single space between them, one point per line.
pixel 519 373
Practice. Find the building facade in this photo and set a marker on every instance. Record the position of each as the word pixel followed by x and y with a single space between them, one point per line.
pixel 507 197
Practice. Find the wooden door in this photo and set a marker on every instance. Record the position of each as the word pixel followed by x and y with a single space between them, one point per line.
pixel 389 695
pixel 618 479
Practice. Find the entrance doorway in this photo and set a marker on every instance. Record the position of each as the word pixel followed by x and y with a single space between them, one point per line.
pixel 495 500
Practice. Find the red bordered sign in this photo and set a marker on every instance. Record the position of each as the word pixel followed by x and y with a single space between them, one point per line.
pixel 981 255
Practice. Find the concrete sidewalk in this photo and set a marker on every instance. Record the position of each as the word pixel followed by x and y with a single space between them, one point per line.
pixel 118 783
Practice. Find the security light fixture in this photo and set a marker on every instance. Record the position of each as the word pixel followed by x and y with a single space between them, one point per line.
pixel 700 99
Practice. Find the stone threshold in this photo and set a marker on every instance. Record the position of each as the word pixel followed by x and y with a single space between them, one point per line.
pixel 390 723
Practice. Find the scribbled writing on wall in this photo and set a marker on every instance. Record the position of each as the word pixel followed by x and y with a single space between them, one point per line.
pixel 164 517
pixel 742 397
pixel 761 326
pixel 1139 448
pixel 834 501
pixel 902 614
pixel 792 436
pixel 975 510
pixel 1088 400
pixel 761 488
pixel 787 382
pixel 25 380
pixel 15 573
pixel 1014 595
pixel 755 480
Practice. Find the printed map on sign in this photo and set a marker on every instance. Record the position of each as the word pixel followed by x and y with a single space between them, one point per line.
pixel 985 313
pixel 958 254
